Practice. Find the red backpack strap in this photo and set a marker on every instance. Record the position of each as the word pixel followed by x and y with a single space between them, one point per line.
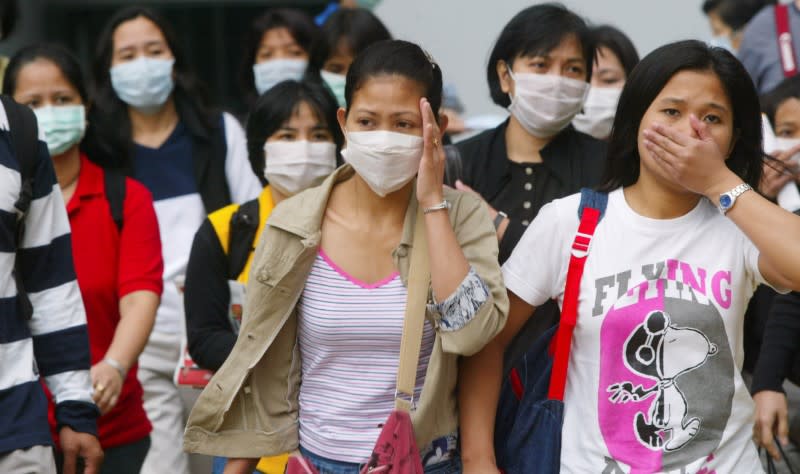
pixel 590 217
pixel 785 45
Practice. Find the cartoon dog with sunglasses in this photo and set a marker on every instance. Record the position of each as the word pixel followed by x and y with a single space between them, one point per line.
pixel 659 350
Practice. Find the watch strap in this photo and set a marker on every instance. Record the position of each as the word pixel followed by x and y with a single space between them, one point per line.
pixel 499 218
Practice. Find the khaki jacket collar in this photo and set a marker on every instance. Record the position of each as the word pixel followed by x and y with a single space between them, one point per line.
pixel 303 214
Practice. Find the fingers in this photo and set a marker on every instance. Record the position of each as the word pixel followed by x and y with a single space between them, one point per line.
pixel 70 459
pixel 660 156
pixel 93 457
pixel 667 144
pixel 783 428
pixel 700 127
pixel 671 133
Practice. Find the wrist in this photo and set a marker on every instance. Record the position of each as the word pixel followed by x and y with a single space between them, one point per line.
pixel 722 186
pixel 118 366
pixel 431 201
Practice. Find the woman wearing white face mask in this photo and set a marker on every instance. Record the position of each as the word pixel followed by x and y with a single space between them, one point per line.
pixel 293 144
pixel 118 264
pixel 149 118
pixel 616 57
pixel 539 69
pixel 337 256
pixel 283 44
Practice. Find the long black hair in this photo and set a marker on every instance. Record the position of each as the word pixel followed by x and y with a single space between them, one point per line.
pixel 645 83
pixel 109 135
pixel 277 105
pixel 56 54
pixel 304 31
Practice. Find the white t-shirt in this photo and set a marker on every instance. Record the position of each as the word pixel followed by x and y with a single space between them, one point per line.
pixel 654 379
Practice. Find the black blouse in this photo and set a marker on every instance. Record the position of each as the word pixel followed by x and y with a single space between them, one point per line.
pixel 571 161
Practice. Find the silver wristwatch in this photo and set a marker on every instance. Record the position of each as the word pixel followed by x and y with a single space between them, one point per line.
pixel 727 200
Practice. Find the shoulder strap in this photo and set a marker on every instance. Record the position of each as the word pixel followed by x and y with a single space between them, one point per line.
pixel 419 278
pixel 209 156
pixel 785 45
pixel 115 188
pixel 591 210
pixel 243 228
pixel 24 132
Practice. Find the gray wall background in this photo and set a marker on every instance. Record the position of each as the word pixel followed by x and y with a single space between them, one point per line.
pixel 459 34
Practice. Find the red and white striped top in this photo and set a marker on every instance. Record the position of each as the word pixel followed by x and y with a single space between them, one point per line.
pixel 349 336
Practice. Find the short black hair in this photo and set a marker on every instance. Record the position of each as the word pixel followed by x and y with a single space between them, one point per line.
pixel 537 30
pixel 56 54
pixel 609 37
pixel 645 83
pixel 8 17
pixel 738 13
pixel 276 106
pixel 772 100
pixel 396 57
pixel 355 28
pixel 304 31
pixel 710 5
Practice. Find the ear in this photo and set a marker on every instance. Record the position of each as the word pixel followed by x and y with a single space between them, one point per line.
pixel 506 83
pixel 341 117
pixel 443 121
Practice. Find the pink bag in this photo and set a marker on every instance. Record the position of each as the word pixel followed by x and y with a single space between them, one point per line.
pixel 396 450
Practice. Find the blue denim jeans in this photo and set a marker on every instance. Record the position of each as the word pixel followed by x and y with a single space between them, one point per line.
pixel 329 466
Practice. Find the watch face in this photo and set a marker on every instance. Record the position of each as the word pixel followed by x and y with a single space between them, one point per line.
pixel 725 201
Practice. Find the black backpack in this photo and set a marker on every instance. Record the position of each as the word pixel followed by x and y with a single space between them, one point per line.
pixel 243 227
pixel 24 132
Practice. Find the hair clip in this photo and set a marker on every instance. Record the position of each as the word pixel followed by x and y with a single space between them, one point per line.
pixel 430 58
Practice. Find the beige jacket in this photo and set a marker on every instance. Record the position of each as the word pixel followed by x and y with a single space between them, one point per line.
pixel 250 407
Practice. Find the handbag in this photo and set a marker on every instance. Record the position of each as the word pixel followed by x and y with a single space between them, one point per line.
pixel 396 451
pixel 530 411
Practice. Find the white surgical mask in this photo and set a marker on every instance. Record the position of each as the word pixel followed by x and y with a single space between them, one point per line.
pixel 544 104
pixel 269 73
pixel 336 83
pixel 63 126
pixel 145 83
pixel 387 161
pixel 292 167
pixel 598 113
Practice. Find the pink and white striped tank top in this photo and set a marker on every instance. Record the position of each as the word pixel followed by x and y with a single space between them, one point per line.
pixel 349 335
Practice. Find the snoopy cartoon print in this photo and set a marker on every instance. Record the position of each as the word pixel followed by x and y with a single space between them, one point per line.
pixel 662 352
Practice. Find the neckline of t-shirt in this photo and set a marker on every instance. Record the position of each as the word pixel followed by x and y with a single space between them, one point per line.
pixel 350 278
pixel 643 223
pixel 178 130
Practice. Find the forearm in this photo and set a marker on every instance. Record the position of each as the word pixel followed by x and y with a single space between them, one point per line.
pixel 480 379
pixel 137 315
pixel 448 264
pixel 758 219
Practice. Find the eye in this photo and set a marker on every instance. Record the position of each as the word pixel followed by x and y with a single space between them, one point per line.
pixel 296 52
pixel 711 118
pixel 671 112
pixel 364 122
pixel 404 124
pixel 33 103
pixel 286 136
pixel 64 99
pixel 321 136
pixel 577 70
pixel 784 133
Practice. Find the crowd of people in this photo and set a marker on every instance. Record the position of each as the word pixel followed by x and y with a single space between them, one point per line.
pixel 152 244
